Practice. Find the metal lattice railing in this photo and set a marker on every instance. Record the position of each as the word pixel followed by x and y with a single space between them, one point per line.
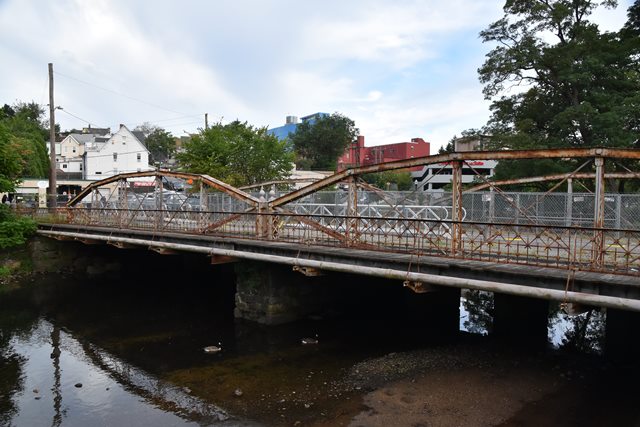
pixel 550 244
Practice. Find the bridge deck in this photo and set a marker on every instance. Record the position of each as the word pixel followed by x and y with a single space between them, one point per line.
pixel 533 276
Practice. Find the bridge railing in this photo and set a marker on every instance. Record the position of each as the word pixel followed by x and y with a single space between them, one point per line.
pixel 611 250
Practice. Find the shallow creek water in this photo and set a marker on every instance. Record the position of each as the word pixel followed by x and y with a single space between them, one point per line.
pixel 130 352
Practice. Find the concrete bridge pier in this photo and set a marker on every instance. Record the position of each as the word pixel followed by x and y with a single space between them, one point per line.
pixel 621 334
pixel 521 319
pixel 273 294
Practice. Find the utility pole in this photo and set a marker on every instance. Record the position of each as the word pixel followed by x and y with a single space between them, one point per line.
pixel 52 144
pixel 206 121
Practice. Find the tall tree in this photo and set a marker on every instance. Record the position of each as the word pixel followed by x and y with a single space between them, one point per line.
pixel 25 126
pixel 577 87
pixel 555 80
pixel 237 153
pixel 161 145
pixel 318 145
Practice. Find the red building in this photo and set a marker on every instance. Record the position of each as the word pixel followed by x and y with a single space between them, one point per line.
pixel 359 155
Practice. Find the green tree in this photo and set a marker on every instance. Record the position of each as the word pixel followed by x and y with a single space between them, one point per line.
pixel 318 145
pixel 13 230
pixel 26 136
pixel 400 180
pixel 237 153
pixel 556 81
pixel 161 145
pixel 10 161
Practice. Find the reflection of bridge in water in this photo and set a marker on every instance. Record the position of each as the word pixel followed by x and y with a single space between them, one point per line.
pixel 568 246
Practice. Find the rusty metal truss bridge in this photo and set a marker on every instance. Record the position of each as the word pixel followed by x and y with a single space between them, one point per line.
pixel 587 231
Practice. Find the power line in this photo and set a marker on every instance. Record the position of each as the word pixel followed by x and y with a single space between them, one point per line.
pixel 164 120
pixel 120 94
pixel 73 115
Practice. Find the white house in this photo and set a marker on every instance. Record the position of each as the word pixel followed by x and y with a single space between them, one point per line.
pixel 121 153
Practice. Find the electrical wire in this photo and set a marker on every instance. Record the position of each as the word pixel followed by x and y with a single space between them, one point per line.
pixel 73 115
pixel 120 94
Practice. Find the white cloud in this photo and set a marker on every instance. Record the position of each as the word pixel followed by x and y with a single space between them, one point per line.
pixel 400 69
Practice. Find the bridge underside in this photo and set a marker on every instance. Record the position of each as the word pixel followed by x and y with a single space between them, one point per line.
pixel 417 273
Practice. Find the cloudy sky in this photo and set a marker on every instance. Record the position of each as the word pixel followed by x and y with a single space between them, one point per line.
pixel 399 69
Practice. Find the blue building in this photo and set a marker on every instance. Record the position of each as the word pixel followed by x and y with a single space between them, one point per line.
pixel 292 122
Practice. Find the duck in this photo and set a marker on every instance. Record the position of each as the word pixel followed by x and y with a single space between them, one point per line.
pixel 213 348
pixel 310 340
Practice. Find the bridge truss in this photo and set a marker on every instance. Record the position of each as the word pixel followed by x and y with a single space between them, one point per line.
pixel 583 232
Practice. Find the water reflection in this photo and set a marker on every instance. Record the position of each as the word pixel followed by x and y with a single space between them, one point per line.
pixel 476 311
pixel 583 331
pixel 570 326
pixel 50 375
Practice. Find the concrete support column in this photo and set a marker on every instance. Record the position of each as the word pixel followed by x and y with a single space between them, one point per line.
pixel 621 334
pixel 274 294
pixel 521 319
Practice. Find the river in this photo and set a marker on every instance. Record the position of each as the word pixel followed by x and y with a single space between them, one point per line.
pixel 129 352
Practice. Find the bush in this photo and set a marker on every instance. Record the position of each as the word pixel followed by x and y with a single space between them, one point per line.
pixel 14 230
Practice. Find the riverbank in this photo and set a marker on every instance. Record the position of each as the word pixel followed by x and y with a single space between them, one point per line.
pixel 470 386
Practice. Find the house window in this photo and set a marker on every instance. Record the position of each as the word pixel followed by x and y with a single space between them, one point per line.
pixel 64 166
pixel 98 173
pixel 115 157
pixel 74 149
pixel 80 166
pixel 139 157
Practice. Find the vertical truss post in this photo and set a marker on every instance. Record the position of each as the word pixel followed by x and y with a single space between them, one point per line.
pixel 599 215
pixel 122 201
pixel 159 215
pixel 273 220
pixel 352 213
pixel 203 206
pixel 492 205
pixel 569 213
pixel 263 220
pixel 456 208
pixel 94 212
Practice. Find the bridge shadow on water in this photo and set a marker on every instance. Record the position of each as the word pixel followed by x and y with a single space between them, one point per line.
pixel 139 330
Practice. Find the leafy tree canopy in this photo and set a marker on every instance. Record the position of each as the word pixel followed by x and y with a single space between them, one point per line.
pixel 237 153
pixel 22 143
pixel 555 80
pixel 161 145
pixel 318 145
pixel 391 180
pixel 580 88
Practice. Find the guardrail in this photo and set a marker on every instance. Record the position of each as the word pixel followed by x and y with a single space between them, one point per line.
pixel 605 250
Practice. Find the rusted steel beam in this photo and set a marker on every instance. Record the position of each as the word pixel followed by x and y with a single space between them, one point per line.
pixel 223 259
pixel 222 222
pixel 205 179
pixel 599 214
pixel 314 224
pixel 555 177
pixel 281 181
pixel 387 273
pixel 556 153
pixel 311 188
pixel 456 208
